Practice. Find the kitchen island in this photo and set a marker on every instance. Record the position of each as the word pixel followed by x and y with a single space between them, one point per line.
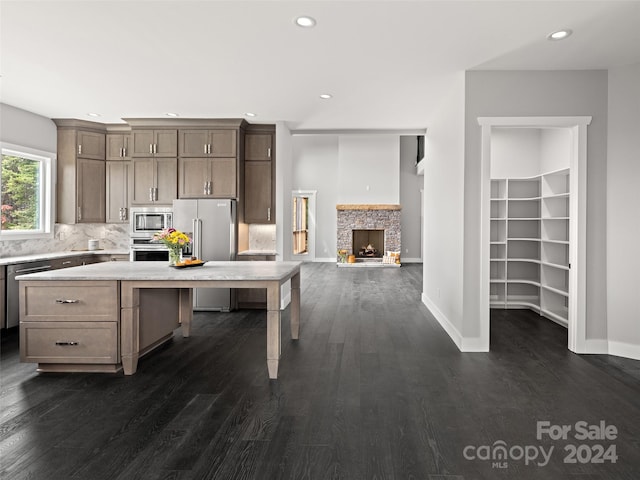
pixel 104 317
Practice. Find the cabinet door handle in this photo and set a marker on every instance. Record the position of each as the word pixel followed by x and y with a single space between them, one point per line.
pixel 269 152
pixel 209 149
pixel 151 148
pixel 268 214
pixel 124 213
pixel 68 344
pixel 206 188
pixel 62 301
pixel 79 213
pixel 155 194
pixel 67 262
pixel 80 149
pixel 205 148
pixel 155 148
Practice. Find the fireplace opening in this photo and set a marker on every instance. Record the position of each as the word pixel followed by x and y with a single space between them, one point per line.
pixel 368 243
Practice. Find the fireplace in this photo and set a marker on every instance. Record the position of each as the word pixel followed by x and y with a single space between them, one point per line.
pixel 368 243
pixel 369 232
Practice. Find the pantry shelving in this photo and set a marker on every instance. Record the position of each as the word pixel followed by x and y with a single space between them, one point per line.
pixel 529 246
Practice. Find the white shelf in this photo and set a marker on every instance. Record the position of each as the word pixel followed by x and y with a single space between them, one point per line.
pixel 555 290
pixel 530 225
pixel 555 265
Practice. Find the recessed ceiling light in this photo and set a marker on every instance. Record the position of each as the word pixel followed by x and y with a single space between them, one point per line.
pixel 559 35
pixel 326 96
pixel 91 114
pixel 305 21
pixel 249 114
pixel 171 114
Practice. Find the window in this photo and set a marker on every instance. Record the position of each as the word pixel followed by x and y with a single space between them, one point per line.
pixel 26 193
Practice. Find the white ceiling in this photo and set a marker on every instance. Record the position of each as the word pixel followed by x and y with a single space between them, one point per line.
pixel 386 63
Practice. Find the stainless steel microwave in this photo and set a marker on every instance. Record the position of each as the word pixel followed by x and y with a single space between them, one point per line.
pixel 145 221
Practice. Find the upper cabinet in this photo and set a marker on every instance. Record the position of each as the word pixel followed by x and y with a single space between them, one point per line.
pixel 90 144
pixel 118 146
pixel 154 181
pixel 258 146
pixel 259 174
pixel 207 143
pixel 81 181
pixel 154 143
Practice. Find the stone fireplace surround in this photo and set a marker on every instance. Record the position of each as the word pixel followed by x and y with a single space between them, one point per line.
pixel 385 217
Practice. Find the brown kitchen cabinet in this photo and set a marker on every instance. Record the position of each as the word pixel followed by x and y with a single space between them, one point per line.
pixel 62 323
pixel 258 146
pixel 207 143
pixel 118 146
pixel 259 191
pixel 207 177
pixel 154 181
pixel 154 143
pixel 80 184
pixel 118 191
pixel 253 298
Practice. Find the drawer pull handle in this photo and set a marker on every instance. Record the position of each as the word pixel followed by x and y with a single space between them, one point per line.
pixel 67 344
pixel 66 300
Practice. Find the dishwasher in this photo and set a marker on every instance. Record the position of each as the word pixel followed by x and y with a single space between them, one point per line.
pixel 13 290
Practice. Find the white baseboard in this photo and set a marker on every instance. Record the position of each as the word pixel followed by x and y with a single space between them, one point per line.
pixel 444 322
pixel 609 347
pixel 622 349
pixel 595 347
pixel 470 344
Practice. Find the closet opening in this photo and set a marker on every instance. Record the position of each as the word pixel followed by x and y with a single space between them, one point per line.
pixel 535 210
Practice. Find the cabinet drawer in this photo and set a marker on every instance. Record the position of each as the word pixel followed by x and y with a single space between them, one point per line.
pixel 69 342
pixel 69 301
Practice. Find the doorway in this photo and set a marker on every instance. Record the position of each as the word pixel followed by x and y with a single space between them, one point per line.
pixel 576 235
pixel 303 225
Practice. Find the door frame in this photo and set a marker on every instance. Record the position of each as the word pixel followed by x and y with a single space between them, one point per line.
pixel 577 330
pixel 310 256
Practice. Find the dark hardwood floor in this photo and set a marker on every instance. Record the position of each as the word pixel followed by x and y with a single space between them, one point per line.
pixel 374 389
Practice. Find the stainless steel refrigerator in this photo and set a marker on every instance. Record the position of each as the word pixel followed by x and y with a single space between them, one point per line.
pixel 212 226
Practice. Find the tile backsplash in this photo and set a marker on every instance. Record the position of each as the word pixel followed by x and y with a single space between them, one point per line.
pixel 112 236
pixel 262 237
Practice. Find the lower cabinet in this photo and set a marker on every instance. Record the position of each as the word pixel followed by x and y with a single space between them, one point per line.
pixel 255 298
pixel 66 328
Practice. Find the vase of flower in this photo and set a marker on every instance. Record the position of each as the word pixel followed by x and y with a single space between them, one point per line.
pixel 174 240
pixel 174 255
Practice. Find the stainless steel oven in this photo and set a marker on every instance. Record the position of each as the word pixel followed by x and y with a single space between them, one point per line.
pixel 140 250
pixel 145 221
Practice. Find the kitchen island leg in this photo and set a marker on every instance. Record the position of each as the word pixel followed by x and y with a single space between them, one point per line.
pixel 129 327
pixel 295 306
pixel 273 328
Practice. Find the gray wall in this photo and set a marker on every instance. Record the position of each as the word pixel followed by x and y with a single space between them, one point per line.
pixel 623 205
pixel 410 199
pixel 539 93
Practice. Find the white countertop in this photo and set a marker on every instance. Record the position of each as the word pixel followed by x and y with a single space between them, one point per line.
pixel 132 271
pixel 34 257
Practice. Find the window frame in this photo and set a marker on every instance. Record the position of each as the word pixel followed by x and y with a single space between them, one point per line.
pixel 47 192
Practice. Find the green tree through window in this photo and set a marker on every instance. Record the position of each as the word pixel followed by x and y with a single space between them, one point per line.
pixel 20 193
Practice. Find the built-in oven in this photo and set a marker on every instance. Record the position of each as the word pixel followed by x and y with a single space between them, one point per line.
pixel 141 250
pixel 144 222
